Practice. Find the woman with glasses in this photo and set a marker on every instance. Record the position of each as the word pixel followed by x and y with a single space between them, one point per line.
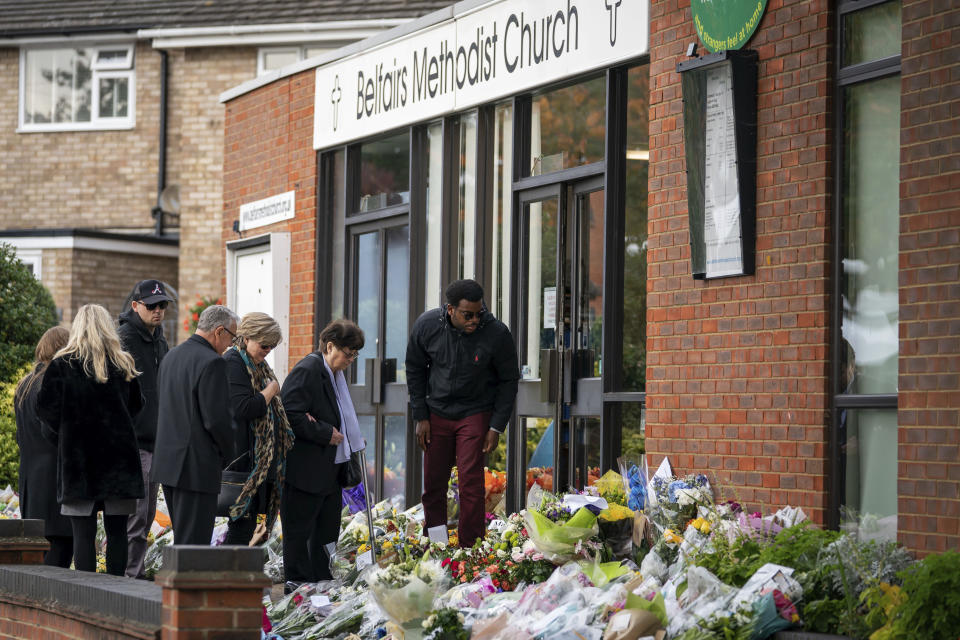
pixel 260 423
pixel 327 431
pixel 88 400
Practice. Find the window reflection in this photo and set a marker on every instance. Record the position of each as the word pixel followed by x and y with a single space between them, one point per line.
pixel 635 237
pixel 467 219
pixel 384 172
pixel 499 299
pixel 434 226
pixel 568 127
pixel 394 458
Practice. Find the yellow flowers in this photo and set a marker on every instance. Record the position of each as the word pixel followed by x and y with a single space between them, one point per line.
pixel 672 537
pixel 701 525
pixel 615 512
pixel 364 547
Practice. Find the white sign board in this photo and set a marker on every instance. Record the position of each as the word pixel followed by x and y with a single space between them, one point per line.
pixel 267 211
pixel 499 49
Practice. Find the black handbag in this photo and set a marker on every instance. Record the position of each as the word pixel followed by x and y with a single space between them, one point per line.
pixel 231 484
pixel 350 473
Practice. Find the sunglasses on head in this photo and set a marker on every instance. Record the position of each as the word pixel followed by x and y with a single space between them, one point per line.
pixel 153 305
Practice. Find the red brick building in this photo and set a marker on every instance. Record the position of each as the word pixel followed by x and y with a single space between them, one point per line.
pixel 826 377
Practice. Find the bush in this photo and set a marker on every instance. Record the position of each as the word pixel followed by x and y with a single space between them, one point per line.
pixel 9 452
pixel 931 608
pixel 26 311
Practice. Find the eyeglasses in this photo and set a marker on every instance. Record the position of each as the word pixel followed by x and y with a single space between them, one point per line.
pixel 150 307
pixel 470 315
pixel 230 332
pixel 349 356
pixel 268 347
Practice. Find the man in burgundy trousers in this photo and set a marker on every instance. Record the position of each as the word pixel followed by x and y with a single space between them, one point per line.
pixel 462 374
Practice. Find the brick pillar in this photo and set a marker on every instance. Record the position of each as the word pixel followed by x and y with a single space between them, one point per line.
pixel 212 592
pixel 22 542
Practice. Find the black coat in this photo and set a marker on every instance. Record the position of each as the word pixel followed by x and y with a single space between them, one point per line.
pixel 92 425
pixel 455 374
pixel 37 486
pixel 311 463
pixel 148 349
pixel 247 404
pixel 194 432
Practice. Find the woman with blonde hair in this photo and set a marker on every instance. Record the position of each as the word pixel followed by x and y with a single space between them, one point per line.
pixel 38 493
pixel 260 423
pixel 88 398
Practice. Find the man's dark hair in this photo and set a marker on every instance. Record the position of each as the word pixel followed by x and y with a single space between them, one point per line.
pixel 344 334
pixel 469 290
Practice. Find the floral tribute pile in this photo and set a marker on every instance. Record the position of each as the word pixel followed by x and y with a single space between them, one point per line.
pixel 629 557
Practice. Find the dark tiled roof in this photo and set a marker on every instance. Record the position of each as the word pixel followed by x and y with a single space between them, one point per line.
pixel 43 17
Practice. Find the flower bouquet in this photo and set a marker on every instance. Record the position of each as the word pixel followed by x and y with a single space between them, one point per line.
pixel 542 476
pixel 495 486
pixel 406 591
pixel 445 624
pixel 616 529
pixel 561 542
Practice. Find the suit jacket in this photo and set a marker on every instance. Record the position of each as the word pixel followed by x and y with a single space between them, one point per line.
pixel 92 425
pixel 311 463
pixel 194 433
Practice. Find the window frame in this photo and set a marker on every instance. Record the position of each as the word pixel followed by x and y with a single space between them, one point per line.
pixel 302 51
pixel 98 71
pixel 846 77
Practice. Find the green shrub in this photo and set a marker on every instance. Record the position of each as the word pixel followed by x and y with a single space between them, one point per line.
pixel 9 452
pixel 931 609
pixel 26 311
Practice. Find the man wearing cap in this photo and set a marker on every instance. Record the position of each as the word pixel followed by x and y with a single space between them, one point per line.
pixel 141 334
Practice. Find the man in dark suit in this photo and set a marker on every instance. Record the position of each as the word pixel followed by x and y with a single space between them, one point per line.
pixel 194 429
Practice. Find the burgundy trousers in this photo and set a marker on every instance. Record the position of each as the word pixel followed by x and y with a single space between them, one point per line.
pixel 457 442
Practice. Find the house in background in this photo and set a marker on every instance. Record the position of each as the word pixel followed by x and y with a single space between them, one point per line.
pixel 112 132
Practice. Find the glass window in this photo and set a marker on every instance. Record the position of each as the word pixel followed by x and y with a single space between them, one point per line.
pixel 368 297
pixel 568 126
pixel 543 220
pixel 872 33
pixel 397 295
pixel 467 219
pixel 871 211
pixel 635 237
pixel 502 242
pixel 337 242
pixel 434 227
pixel 394 458
pixel 384 172
pixel 81 88
pixel 869 441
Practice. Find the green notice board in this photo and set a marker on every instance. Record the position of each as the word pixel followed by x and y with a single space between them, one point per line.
pixel 726 24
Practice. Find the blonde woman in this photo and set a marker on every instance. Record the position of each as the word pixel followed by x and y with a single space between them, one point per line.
pixel 260 423
pixel 88 398
pixel 38 490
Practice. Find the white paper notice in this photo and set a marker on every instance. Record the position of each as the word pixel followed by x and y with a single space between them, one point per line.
pixel 721 200
pixel 319 601
pixel 438 534
pixel 549 307
pixel 364 559
pixel 331 548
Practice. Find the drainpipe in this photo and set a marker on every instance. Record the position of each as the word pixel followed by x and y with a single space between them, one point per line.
pixel 162 159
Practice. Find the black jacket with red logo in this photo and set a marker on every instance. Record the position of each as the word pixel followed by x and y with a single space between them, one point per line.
pixel 455 374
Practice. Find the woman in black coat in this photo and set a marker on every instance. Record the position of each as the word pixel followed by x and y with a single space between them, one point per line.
pixel 38 491
pixel 88 398
pixel 260 425
pixel 321 414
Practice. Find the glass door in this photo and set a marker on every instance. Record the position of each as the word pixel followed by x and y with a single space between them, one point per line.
pixel 379 292
pixel 560 303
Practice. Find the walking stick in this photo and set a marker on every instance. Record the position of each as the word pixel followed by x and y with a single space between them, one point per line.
pixel 367 495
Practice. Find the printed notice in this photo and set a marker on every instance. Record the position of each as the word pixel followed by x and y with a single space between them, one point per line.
pixel 549 307
pixel 438 534
pixel 721 202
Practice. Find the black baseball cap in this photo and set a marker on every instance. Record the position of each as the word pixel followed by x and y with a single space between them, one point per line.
pixel 150 291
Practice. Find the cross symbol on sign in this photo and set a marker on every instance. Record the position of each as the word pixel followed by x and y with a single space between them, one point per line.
pixel 335 99
pixel 612 8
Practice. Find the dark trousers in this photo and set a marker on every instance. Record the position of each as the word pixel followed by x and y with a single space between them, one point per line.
pixel 140 521
pixel 60 553
pixel 310 522
pixel 241 530
pixel 192 514
pixel 457 442
pixel 85 539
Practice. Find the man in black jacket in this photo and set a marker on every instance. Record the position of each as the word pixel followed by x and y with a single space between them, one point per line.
pixel 462 374
pixel 194 430
pixel 142 336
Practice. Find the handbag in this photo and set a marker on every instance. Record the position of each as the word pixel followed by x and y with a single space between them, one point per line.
pixel 231 484
pixel 350 473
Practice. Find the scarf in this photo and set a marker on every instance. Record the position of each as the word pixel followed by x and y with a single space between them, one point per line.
pixel 273 439
pixel 352 438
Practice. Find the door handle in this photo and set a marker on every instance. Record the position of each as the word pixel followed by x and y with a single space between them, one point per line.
pixel 549 374
pixel 377 374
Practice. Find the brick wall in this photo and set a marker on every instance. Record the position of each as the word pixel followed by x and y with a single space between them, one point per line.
pixel 929 395
pixel 76 277
pixel 737 368
pixel 197 78
pixel 97 179
pixel 269 150
pixel 29 621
